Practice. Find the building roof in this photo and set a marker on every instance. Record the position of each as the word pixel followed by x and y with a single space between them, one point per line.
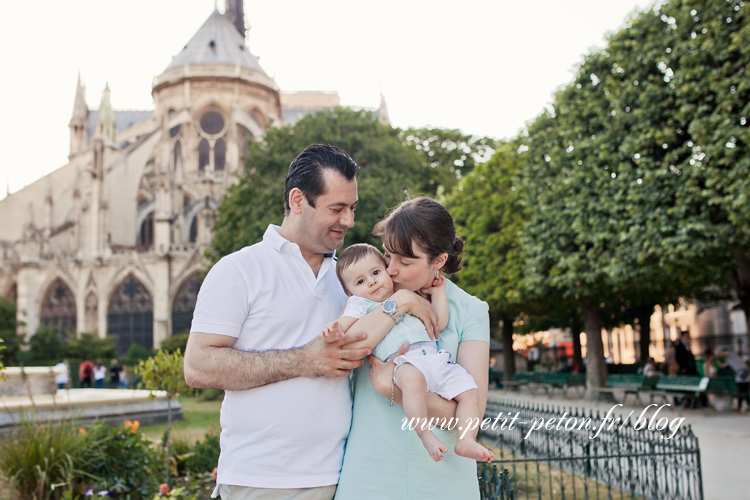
pixel 123 119
pixel 216 42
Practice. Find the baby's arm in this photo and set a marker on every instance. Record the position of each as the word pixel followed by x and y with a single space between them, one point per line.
pixel 439 300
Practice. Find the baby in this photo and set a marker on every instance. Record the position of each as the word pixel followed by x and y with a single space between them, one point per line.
pixel 361 269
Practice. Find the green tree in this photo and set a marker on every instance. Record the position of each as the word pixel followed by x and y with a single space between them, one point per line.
pixel 90 345
pixel 45 346
pixel 450 154
pixel 8 331
pixel 388 170
pixel 164 372
pixel 488 211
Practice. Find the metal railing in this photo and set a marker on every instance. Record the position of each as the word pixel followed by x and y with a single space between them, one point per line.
pixel 582 455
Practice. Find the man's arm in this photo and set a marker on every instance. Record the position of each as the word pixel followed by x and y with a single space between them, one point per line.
pixel 212 362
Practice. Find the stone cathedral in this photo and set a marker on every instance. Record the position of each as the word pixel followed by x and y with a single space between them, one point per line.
pixel 113 241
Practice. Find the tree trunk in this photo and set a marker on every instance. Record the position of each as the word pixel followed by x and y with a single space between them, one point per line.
pixel 644 330
pixel 741 284
pixel 509 355
pixel 596 369
pixel 575 331
pixel 166 440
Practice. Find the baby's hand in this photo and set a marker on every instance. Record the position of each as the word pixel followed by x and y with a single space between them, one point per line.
pixel 332 332
pixel 438 285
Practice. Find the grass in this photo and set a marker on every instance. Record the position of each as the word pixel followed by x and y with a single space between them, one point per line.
pixel 538 480
pixel 198 419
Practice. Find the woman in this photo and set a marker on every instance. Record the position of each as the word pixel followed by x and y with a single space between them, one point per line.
pixel 382 461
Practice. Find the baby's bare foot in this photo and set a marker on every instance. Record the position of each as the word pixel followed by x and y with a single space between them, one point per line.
pixel 433 445
pixel 471 449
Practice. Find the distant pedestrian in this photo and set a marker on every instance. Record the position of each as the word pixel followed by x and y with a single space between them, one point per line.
pixel 114 374
pixel 741 376
pixel 123 377
pixel 684 355
pixel 86 372
pixel 63 376
pixel 100 373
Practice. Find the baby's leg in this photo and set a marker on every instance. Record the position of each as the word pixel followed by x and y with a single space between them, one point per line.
pixel 414 389
pixel 467 413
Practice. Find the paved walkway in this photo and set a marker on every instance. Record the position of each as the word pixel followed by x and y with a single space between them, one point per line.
pixel 724 440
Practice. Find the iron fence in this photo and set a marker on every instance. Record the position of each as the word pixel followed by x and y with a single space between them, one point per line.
pixel 574 454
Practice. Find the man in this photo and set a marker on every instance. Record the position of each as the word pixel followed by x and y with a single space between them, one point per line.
pixel 255 334
pixel 684 356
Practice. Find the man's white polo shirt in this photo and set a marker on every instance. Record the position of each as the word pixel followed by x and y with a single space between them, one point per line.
pixel 289 434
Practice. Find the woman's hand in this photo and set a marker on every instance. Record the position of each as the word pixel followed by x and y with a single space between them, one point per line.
pixel 381 373
pixel 412 303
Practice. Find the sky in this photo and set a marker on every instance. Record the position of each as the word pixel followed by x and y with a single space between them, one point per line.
pixel 486 67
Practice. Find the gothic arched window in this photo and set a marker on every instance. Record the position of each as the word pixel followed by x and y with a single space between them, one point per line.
pixel 220 154
pixel 203 153
pixel 130 316
pixel 194 230
pixel 59 308
pixel 146 234
pixel 177 162
pixel 184 305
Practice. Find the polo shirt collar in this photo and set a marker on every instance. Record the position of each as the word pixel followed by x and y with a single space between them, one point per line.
pixel 281 244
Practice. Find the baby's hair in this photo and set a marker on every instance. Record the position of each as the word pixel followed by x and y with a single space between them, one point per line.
pixel 352 255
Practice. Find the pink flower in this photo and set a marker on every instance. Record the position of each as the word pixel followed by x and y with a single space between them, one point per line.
pixel 163 489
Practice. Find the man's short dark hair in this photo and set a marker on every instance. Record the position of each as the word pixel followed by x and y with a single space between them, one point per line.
pixel 306 171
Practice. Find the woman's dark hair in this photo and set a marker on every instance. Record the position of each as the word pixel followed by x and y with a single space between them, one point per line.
pixel 306 171
pixel 429 224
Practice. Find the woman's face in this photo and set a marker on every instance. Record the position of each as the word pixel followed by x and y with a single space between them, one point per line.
pixel 412 273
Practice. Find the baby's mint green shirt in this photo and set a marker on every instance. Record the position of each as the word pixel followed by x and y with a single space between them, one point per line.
pixel 383 462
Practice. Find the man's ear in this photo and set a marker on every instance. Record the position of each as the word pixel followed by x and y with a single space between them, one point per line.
pixel 296 199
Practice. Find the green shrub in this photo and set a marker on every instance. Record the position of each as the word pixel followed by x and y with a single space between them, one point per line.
pixel 90 345
pixel 123 461
pixel 171 344
pixel 205 455
pixel 137 352
pixel 45 460
pixel 210 394
pixel 45 347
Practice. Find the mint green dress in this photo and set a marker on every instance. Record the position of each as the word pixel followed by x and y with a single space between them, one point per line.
pixel 383 462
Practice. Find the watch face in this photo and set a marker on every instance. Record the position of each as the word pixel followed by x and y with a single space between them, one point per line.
pixel 389 306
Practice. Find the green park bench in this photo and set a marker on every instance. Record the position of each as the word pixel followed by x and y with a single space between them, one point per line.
pixel 724 386
pixel 519 380
pixel 688 388
pixel 496 378
pixel 549 382
pixel 625 383
pixel 576 381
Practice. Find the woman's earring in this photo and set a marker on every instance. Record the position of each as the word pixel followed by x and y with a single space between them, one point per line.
pixel 437 273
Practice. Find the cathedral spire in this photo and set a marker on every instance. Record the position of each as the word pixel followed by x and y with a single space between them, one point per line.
pixel 383 111
pixel 80 110
pixel 79 123
pixel 105 125
pixel 234 11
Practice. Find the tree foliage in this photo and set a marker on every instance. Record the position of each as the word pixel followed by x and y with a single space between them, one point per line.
pixel 12 341
pixel 393 164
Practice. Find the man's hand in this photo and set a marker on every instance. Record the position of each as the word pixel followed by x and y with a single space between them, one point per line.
pixel 411 303
pixel 381 372
pixel 327 355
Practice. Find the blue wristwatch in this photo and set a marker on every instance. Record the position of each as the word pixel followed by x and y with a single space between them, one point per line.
pixel 391 309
